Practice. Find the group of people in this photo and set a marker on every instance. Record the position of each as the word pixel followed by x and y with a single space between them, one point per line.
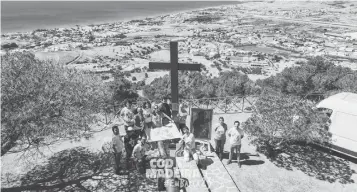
pixel 234 135
pixel 136 121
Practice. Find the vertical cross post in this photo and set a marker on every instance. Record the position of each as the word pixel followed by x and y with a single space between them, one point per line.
pixel 174 66
pixel 174 77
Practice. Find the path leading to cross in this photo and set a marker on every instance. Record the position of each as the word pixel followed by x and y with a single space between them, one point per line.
pixel 174 66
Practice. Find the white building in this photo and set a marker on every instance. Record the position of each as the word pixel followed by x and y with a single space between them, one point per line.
pixel 343 121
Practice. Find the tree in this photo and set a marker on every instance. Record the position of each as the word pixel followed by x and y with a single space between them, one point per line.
pixel 194 85
pixel 42 101
pixel 281 120
pixel 122 88
pixel 316 76
pixel 91 38
pixel 9 46
pixel 234 83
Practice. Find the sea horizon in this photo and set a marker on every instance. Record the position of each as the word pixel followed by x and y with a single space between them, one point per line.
pixel 26 16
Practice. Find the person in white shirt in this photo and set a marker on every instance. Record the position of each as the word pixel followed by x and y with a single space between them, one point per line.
pixel 188 140
pixel 118 148
pixel 220 137
pixel 139 151
pixel 235 135
pixel 182 115
pixel 127 115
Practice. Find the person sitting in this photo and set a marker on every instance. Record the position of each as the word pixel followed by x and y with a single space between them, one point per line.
pixel 189 148
pixel 139 151
pixel 127 115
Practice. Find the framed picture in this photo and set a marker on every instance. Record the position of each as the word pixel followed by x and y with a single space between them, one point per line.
pixel 201 123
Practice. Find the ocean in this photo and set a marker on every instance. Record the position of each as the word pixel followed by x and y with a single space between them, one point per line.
pixel 22 16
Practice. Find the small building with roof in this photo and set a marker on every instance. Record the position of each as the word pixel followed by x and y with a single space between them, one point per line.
pixel 343 127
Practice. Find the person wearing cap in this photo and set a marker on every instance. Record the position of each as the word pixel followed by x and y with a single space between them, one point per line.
pixel 139 151
pixel 189 145
pixel 118 148
pixel 127 115
pixel 130 140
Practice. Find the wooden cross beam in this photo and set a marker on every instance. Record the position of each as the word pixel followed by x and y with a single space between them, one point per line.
pixel 174 67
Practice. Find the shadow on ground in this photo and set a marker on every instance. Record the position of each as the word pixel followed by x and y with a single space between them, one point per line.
pixel 317 163
pixel 244 158
pixel 204 163
pixel 79 169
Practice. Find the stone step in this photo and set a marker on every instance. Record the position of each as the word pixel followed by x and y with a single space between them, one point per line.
pixel 191 172
pixel 216 175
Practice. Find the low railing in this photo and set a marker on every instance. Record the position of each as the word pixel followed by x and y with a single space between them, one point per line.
pixel 220 105
pixel 236 104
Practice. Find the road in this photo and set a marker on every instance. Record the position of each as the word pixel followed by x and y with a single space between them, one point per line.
pixel 80 54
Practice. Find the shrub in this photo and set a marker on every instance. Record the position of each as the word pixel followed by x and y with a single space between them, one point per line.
pixel 45 100
pixel 281 120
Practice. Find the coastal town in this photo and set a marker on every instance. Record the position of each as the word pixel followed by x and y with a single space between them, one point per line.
pixel 262 98
pixel 258 43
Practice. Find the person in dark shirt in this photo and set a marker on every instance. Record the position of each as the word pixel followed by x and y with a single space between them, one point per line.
pixel 130 140
pixel 167 108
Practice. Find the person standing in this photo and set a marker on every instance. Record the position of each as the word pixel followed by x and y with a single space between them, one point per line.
pixel 118 148
pixel 147 112
pixel 182 116
pixel 139 120
pixel 220 137
pixel 166 109
pixel 235 135
pixel 156 118
pixel 127 115
pixel 161 119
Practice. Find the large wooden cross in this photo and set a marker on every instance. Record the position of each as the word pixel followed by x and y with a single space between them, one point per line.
pixel 174 67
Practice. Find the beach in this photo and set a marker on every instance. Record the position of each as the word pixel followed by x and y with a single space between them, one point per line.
pixel 26 16
pixel 235 35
